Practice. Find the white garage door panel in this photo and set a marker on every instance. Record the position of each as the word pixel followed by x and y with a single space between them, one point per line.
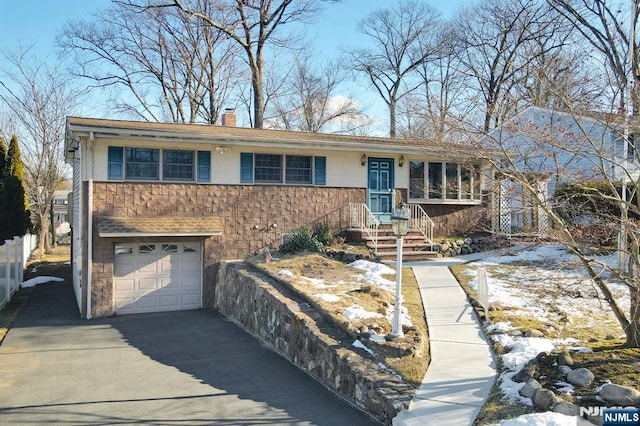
pixel 153 277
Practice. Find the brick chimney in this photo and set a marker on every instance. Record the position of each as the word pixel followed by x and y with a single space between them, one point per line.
pixel 229 117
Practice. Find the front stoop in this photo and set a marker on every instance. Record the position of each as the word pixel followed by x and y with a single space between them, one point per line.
pixel 414 247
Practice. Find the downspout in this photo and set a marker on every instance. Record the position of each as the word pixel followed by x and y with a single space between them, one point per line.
pixel 89 246
pixel 90 224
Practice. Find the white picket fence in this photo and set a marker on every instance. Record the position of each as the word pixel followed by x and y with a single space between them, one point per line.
pixel 13 258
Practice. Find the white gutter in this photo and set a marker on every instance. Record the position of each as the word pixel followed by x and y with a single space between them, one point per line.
pixel 90 223
pixel 89 246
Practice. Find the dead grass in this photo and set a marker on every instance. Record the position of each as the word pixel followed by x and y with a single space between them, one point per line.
pixel 408 356
pixel 610 360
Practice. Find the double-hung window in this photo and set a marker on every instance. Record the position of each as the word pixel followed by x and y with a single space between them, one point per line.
pixel 177 165
pixel 171 165
pixel 298 169
pixel 268 168
pixel 282 169
pixel 142 164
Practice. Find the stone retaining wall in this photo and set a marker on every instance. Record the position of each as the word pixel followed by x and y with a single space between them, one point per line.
pixel 276 316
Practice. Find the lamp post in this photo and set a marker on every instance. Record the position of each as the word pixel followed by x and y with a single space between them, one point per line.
pixel 400 224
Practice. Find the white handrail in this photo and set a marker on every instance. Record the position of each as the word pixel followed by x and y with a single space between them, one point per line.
pixel 360 217
pixel 421 221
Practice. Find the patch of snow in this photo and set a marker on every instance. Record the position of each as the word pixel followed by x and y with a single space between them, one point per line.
pixel 359 344
pixel 327 297
pixel 358 312
pixel 500 327
pixel 564 388
pixel 376 337
pixel 285 273
pixel 317 282
pixel 373 267
pixel 524 349
pixel 385 368
pixel 40 280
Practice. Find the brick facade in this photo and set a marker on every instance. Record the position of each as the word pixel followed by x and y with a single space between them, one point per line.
pixel 253 217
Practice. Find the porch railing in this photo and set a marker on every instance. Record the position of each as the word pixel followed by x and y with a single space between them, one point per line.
pixel 421 221
pixel 361 218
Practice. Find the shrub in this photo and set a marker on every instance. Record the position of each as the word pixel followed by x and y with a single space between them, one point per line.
pixel 323 233
pixel 301 240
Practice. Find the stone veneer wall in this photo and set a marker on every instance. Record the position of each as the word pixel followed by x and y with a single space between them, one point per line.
pixel 269 311
pixel 248 214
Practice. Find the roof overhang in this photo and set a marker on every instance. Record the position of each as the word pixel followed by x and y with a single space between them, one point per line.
pixel 118 227
pixel 88 129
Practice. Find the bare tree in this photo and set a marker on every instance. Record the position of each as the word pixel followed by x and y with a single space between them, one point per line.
pixel 584 158
pixel 39 97
pixel 605 24
pixel 403 38
pixel 172 67
pixel 255 25
pixel 435 111
pixel 562 78
pixel 310 102
pixel 498 39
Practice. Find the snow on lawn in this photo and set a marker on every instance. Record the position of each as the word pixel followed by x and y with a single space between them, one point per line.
pixel 549 285
pixel 373 272
pixel 373 275
pixel 358 312
pixel 327 297
pixel 40 280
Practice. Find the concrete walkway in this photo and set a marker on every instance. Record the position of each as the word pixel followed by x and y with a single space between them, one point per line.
pixel 462 369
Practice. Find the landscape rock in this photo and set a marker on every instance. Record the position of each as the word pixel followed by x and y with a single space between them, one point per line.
pixel 620 395
pixel 565 359
pixel 580 377
pixel 544 399
pixel 533 333
pixel 565 369
pixel 530 388
pixel 525 374
pixel 567 408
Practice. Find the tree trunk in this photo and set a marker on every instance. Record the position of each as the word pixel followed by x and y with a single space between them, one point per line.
pixel 633 330
pixel 392 118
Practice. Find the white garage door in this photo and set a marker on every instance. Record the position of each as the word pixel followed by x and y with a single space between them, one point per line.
pixel 155 277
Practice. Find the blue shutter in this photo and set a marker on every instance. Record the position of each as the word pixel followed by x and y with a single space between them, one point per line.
pixel 115 163
pixel 246 167
pixel 204 166
pixel 320 171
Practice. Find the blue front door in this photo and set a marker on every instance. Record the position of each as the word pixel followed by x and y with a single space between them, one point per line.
pixel 380 188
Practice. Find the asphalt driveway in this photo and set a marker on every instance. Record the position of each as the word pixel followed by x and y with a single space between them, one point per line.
pixel 180 368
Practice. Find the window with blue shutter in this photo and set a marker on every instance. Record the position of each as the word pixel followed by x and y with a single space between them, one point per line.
pixel 320 171
pixel 115 163
pixel 246 167
pixel 204 166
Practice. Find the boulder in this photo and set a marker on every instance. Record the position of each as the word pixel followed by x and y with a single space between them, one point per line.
pixel 580 377
pixel 565 369
pixel 620 395
pixel 567 408
pixel 544 399
pixel 530 388
pixel 525 374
